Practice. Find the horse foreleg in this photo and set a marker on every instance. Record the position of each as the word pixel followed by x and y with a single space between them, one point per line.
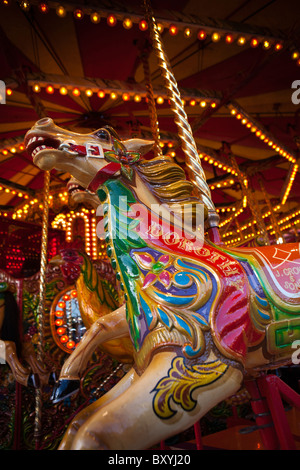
pixel 84 414
pixel 110 326
pixel 165 400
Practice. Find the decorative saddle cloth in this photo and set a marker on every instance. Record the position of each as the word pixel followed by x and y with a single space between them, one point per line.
pixel 277 270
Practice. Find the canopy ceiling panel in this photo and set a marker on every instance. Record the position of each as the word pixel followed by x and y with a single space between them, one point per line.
pixel 224 75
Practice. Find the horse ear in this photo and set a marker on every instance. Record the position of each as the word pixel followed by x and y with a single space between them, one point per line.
pixel 138 145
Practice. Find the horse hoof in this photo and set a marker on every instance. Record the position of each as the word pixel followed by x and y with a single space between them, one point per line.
pixel 33 381
pixel 52 378
pixel 63 389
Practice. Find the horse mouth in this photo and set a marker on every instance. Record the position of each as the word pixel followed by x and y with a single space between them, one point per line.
pixel 74 188
pixel 37 143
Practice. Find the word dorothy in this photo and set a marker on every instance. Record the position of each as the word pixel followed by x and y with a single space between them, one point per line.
pixel 170 222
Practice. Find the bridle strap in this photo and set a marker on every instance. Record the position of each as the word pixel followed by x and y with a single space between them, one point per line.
pixel 103 175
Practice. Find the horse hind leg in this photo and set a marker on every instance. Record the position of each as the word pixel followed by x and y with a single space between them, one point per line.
pixel 151 409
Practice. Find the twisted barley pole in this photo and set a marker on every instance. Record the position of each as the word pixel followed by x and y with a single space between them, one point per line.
pixel 193 162
pixel 41 306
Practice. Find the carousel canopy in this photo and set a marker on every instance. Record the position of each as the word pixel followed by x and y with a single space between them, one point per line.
pixel 88 65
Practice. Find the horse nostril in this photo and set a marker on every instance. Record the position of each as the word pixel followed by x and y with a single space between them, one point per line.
pixel 43 122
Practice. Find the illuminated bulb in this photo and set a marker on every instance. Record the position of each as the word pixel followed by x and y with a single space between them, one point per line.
pixel 13 150
pixel 76 92
pixel 278 46
pixel 137 98
pixel 295 55
pixel 61 11
pixel 89 92
pixel 192 102
pixel 254 42
pixel 36 88
pixel 25 5
pixel 95 17
pixel 113 95
pixel 173 30
pixel 111 20
pixel 241 41
pixel 43 7
pixel 50 89
pixel 229 38
pixel 213 104
pixel 127 23
pixel 126 97
pixel 233 112
pixel 266 44
pixel 143 25
pixel 215 37
pixel 101 94
pixel 9 91
pixel 63 90
pixel 203 104
pixel 160 27
pixel 160 100
pixel 187 33
pixel 202 35
pixel 78 14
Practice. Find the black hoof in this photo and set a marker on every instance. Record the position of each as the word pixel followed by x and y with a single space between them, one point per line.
pixel 33 381
pixel 52 378
pixel 63 389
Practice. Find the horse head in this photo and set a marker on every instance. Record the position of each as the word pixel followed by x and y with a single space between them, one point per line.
pixel 81 155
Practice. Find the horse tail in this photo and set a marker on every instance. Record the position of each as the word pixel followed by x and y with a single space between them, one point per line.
pixel 10 327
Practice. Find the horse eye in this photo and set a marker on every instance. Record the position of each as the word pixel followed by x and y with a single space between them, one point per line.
pixel 102 134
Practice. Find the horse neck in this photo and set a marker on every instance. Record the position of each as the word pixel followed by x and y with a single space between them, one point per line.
pixel 140 192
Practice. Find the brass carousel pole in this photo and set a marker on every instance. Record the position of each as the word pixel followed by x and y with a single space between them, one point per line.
pixel 189 147
pixel 41 306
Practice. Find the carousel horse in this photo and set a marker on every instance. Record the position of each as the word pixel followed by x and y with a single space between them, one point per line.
pixel 96 298
pixel 200 316
pixel 11 348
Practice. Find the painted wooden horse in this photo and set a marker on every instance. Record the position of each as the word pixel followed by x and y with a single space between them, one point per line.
pixel 199 316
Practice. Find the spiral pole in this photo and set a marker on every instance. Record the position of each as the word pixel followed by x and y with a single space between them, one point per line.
pixel 188 144
pixel 41 306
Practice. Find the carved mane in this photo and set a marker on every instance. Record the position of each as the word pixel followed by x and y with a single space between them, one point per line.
pixel 168 183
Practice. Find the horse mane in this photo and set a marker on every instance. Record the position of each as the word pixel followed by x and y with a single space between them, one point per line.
pixel 167 181
pixel 166 178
